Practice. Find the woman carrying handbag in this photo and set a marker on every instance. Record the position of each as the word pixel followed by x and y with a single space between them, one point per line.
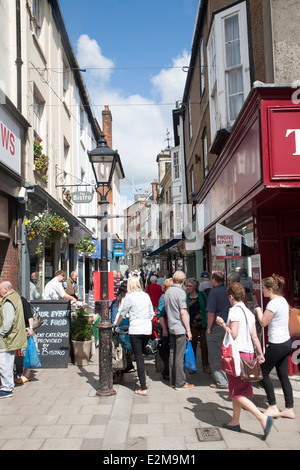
pixel 239 329
pixel 276 317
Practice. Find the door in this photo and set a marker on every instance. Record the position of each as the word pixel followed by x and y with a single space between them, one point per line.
pixel 294 270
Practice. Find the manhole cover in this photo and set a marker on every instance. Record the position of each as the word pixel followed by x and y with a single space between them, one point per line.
pixel 208 434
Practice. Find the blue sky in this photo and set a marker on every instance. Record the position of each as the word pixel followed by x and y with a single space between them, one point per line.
pixel 133 51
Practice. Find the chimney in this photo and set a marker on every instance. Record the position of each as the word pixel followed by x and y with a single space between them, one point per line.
pixel 107 125
pixel 154 189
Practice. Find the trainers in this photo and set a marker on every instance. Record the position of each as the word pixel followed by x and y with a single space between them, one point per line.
pixel 185 387
pixel 4 394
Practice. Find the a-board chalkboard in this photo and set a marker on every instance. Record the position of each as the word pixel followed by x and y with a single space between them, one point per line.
pixel 54 335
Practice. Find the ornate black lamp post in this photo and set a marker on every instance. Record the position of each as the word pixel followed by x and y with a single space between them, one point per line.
pixel 103 160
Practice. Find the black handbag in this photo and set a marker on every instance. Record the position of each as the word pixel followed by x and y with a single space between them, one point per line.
pixel 250 370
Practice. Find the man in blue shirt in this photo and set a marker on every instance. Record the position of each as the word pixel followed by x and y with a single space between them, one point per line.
pixel 217 305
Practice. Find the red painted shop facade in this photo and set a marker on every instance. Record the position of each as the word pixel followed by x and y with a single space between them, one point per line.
pixel 254 188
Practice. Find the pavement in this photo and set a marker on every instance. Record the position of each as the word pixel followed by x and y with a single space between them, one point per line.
pixel 59 410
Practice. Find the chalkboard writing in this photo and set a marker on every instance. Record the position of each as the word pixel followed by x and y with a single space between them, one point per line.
pixel 53 336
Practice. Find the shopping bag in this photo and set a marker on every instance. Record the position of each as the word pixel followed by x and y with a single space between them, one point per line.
pixel 294 322
pixel 189 358
pixel 31 359
pixel 119 361
pixel 230 356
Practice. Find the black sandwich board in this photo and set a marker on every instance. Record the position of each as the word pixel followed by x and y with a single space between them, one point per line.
pixel 54 335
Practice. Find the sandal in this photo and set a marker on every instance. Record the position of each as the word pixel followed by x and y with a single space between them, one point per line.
pixel 141 392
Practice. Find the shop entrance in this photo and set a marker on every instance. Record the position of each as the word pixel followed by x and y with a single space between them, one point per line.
pixel 293 248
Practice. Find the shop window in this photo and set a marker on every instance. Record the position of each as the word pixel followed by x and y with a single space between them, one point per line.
pixel 4 226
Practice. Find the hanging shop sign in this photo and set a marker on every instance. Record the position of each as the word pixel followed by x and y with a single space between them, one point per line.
pixel 228 243
pixel 118 249
pixel 82 197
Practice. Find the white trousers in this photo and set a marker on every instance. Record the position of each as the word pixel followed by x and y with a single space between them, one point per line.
pixel 7 360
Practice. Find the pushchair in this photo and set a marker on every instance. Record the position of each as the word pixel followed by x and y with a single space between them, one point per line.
pixel 122 355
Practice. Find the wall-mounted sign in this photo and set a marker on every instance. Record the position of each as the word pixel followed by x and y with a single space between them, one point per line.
pixel 82 197
pixel 10 143
pixel 118 249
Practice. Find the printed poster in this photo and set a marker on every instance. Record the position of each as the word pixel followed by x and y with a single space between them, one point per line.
pixel 228 243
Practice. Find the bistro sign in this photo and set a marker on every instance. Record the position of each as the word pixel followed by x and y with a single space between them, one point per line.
pixel 82 197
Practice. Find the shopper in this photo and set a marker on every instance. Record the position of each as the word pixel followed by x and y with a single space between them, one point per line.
pixel 13 335
pixel 217 305
pixel 197 310
pixel 164 349
pixel 138 307
pixel 155 291
pixel 276 317
pixel 241 326
pixel 180 331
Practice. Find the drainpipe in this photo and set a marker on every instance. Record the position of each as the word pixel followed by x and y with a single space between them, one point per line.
pixel 19 61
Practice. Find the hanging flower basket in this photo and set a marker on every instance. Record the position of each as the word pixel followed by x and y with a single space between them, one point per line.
pixel 85 246
pixel 41 161
pixel 47 225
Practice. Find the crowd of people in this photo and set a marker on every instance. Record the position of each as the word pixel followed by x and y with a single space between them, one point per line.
pixel 186 310
pixel 201 312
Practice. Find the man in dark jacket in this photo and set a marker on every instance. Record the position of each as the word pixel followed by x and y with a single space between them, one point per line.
pixel 217 305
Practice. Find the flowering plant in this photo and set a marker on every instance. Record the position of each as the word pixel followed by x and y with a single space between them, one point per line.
pixel 41 161
pixel 48 225
pixel 86 246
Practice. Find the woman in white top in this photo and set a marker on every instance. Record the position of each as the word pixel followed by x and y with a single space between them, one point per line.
pixel 138 307
pixel 246 337
pixel 276 317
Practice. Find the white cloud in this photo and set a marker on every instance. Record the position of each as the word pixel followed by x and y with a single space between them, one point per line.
pixel 139 123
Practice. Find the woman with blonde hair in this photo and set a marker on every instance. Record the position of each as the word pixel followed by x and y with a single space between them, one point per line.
pixel 276 317
pixel 138 307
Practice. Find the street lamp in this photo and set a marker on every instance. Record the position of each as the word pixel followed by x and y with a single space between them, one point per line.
pixel 103 160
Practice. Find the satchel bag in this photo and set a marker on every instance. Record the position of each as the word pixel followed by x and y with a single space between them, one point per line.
pixel 189 358
pixel 119 361
pixel 250 369
pixel 294 322
pixel 230 356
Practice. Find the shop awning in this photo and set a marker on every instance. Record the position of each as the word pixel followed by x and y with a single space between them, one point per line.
pixel 165 246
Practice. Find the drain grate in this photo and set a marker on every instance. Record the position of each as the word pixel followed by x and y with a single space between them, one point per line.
pixel 208 434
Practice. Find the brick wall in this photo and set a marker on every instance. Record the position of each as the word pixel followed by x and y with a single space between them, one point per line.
pixel 9 262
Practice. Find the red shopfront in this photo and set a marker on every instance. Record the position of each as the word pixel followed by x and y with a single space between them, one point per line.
pixel 254 188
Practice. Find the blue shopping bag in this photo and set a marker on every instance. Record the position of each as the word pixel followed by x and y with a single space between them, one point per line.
pixel 189 358
pixel 31 359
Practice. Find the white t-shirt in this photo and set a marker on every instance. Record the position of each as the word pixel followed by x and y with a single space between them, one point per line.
pixel 54 290
pixel 243 339
pixel 278 328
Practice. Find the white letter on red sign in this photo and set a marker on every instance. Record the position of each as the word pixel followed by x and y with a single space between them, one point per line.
pixel 297 139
